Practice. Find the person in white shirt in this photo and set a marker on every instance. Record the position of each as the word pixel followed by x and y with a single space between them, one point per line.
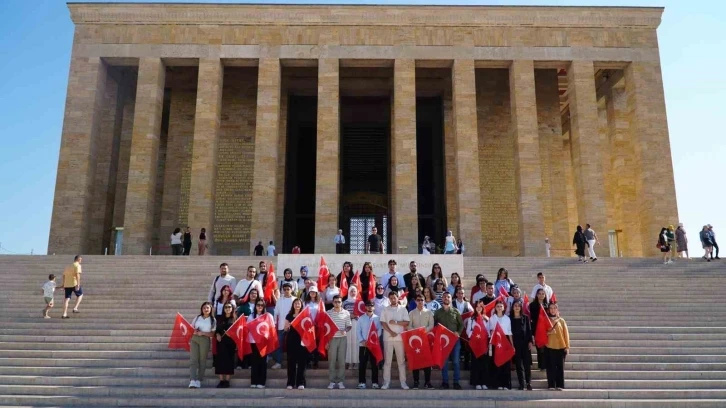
pixel 394 320
pixel 338 344
pixel 48 290
pixel 541 285
pixel 176 242
pixel 501 376
pixel 271 250
pixel 242 290
pixel 339 242
pixel 204 326
pixel 282 308
pixel 330 292
pixel 224 279
pixel 380 301
pixel 391 272
pixel 287 277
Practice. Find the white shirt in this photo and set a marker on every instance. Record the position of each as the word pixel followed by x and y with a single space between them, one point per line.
pixel 242 286
pixel 218 283
pixel 503 321
pixel 547 289
pixel 48 289
pixel 219 309
pixel 463 306
pixel 387 276
pixel 399 314
pixel 176 238
pixel 271 250
pixel 330 293
pixel 203 324
pixel 433 305
pixel 282 307
pixel 313 306
pixel 380 304
pixel 477 296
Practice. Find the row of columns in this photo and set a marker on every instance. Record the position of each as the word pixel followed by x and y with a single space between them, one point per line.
pixel 644 100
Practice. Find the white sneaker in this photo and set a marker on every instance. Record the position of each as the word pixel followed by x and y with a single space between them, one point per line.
pixel 277 366
pixel 197 384
pixel 361 386
pixel 192 384
pixel 331 385
pixel 302 387
pixel 260 386
pixel 478 387
pixel 375 386
pixel 484 387
pixel 253 386
pixel 384 387
pixel 289 387
pixel 404 386
pixel 341 386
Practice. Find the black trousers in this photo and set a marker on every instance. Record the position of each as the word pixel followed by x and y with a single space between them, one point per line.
pixel 258 366
pixel 177 249
pixel 427 375
pixel 501 376
pixel 715 246
pixel 555 368
pixel 296 362
pixel 339 248
pixel 187 248
pixel 479 370
pixel 541 358
pixel 522 365
pixel 364 357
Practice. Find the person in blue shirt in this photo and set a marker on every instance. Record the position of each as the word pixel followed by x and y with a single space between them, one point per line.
pixel 364 355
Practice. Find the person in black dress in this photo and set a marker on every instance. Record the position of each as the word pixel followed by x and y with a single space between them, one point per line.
pixel 580 242
pixel 297 354
pixel 224 360
pixel 187 242
pixel 539 302
pixel 523 341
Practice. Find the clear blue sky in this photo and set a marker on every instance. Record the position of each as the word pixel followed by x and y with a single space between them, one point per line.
pixel 35 42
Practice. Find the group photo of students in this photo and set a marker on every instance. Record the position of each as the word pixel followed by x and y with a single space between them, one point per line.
pixel 362 321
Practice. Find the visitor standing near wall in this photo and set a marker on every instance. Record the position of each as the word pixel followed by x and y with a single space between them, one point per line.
pixel 450 243
pixel 671 234
pixel 202 244
pixel 271 250
pixel 187 241
pixel 339 242
pixel 713 241
pixel 682 241
pixel 706 243
pixel 259 249
pixel 580 243
pixel 426 247
pixel 176 242
pixel 374 245
pixel 591 237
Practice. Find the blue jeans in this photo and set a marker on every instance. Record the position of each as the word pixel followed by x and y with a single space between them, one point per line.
pixel 278 352
pixel 455 354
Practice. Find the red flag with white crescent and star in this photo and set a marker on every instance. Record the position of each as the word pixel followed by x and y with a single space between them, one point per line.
pixel 360 307
pixel 503 292
pixel 415 346
pixel 264 332
pixel 238 333
pixel 323 274
pixel 373 343
pixel 525 306
pixel 270 284
pixel 444 342
pixel 371 286
pixel 479 340
pixel 503 349
pixel 544 324
pixel 553 298
pixel 489 308
pixel 356 282
pixel 304 325
pixel 181 334
pixel 326 329
pixel 343 285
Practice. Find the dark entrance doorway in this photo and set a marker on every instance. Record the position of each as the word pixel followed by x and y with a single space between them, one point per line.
pixel 430 168
pixel 299 218
pixel 365 170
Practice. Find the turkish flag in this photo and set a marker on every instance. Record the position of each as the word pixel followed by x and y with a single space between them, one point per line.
pixel 467 315
pixel 323 274
pixel 415 345
pixel 553 298
pixel 503 349
pixel 404 298
pixel 264 332
pixel 431 337
pixel 360 307
pixel 444 342
pixel 543 326
pixel 503 292
pixel 181 334
pixel 326 330
pixel 304 325
pixel 489 308
pixel 270 284
pixel 371 286
pixel 525 306
pixel 343 285
pixel 356 282
pixel 479 340
pixel 238 333
pixel 373 343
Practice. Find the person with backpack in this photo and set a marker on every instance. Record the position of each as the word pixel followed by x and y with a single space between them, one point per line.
pixel 664 246
pixel 220 281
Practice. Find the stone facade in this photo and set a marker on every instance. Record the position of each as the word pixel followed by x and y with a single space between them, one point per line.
pixel 178 114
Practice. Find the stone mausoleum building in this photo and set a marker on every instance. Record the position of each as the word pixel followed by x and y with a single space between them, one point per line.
pixel 286 122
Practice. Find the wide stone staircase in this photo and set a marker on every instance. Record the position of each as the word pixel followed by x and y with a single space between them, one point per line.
pixel 643 334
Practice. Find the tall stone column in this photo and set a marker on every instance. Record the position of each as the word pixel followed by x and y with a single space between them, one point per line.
pixel 404 182
pixel 467 156
pixel 327 169
pixel 267 136
pixel 204 148
pixel 143 164
pixel 77 159
pixel 586 152
pixel 655 186
pixel 527 161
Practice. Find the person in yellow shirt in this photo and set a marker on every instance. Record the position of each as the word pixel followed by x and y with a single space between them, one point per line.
pixel 72 284
pixel 558 345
